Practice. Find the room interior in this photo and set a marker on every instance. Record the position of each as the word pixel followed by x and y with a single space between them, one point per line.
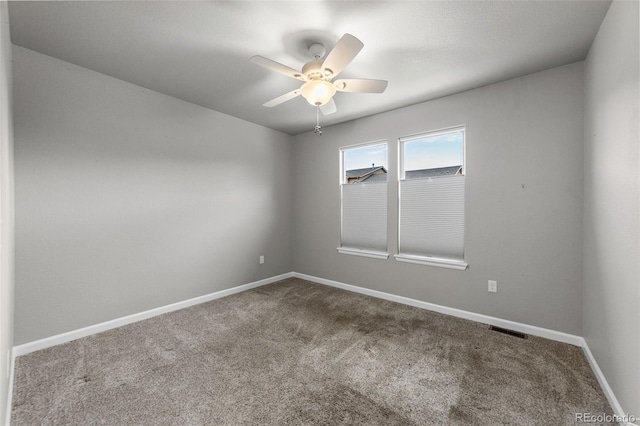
pixel 142 176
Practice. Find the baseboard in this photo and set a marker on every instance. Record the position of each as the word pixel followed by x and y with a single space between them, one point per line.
pixel 485 319
pixel 608 392
pixel 48 342
pixel 12 369
pixel 523 328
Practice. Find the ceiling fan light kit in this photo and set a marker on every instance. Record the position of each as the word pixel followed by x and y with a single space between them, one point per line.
pixel 317 75
pixel 318 92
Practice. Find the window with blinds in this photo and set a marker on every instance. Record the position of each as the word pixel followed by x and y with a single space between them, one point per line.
pixel 431 192
pixel 363 188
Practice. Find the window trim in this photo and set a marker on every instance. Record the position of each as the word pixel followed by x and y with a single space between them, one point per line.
pixel 358 145
pixel 456 264
pixel 459 265
pixel 434 133
pixel 364 253
pixel 355 251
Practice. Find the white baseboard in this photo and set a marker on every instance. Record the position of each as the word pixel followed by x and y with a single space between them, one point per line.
pixel 119 322
pixel 12 369
pixel 485 319
pixel 608 392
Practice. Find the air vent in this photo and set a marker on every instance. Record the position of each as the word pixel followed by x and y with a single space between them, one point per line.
pixel 509 332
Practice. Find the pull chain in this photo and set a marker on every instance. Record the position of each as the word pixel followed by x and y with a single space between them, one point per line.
pixel 318 129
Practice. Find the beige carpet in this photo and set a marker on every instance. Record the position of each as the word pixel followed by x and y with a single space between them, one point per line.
pixel 299 353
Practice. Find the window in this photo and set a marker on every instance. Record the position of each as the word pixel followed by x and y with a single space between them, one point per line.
pixel 363 185
pixel 432 175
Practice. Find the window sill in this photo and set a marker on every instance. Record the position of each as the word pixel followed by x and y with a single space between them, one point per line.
pixel 365 253
pixel 459 265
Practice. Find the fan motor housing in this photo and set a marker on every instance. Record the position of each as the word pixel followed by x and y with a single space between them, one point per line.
pixel 313 70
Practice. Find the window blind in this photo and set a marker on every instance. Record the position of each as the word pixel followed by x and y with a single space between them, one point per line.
pixel 364 216
pixel 432 217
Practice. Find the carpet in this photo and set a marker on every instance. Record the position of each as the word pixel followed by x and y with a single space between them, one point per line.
pixel 301 353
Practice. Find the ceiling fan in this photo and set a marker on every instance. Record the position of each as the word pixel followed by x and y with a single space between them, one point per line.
pixel 317 75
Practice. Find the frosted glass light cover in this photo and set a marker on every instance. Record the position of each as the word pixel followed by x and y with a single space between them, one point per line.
pixel 318 92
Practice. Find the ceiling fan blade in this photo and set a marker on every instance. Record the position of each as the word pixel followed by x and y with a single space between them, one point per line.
pixel 278 67
pixel 361 85
pixel 329 107
pixel 282 98
pixel 342 54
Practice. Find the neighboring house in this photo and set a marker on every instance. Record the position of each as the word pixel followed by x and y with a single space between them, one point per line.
pixel 427 173
pixel 370 174
pixel 379 174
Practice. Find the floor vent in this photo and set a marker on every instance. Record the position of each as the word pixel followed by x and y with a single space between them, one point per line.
pixel 509 332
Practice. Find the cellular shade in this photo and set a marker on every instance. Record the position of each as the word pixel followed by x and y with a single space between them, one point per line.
pixel 432 217
pixel 364 216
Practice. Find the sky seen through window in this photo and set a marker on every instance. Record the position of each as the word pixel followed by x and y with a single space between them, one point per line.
pixel 424 153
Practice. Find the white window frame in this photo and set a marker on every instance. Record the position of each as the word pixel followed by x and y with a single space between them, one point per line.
pixel 457 264
pixel 364 252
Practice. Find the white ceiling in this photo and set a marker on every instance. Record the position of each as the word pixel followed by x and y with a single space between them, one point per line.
pixel 199 51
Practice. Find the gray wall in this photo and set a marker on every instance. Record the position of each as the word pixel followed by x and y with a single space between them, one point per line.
pixel 612 203
pixel 127 199
pixel 6 208
pixel 523 201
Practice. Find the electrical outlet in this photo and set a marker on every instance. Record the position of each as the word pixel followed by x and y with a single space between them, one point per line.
pixel 261 260
pixel 493 286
